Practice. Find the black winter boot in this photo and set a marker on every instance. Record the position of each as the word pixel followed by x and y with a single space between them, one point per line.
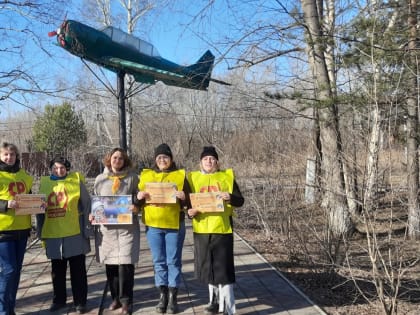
pixel 213 306
pixel 173 302
pixel 163 300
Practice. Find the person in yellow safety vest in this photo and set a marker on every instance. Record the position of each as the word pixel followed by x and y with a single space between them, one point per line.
pixel 118 245
pixel 213 232
pixel 65 230
pixel 165 224
pixel 14 229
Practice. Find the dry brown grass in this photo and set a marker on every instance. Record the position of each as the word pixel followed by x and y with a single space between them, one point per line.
pixel 338 277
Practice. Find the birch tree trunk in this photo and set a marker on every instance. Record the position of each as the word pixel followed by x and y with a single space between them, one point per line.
pixel 333 187
pixel 369 195
pixel 372 160
pixel 412 128
pixel 129 126
pixel 129 110
pixel 349 168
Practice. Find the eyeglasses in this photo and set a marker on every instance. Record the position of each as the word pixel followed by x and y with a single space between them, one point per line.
pixel 163 157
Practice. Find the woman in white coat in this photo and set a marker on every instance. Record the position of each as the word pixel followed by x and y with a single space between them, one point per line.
pixel 118 246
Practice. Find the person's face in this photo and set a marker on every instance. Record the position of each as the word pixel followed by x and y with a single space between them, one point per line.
pixel 117 161
pixel 209 164
pixel 163 161
pixel 59 170
pixel 8 156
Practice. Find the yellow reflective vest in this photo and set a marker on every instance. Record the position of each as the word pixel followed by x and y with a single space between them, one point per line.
pixel 12 184
pixel 62 214
pixel 165 216
pixel 219 222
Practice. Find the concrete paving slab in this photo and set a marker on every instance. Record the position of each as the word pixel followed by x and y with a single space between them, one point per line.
pixel 260 289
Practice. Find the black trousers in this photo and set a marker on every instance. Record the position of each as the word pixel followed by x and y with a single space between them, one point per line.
pixel 121 282
pixel 78 279
pixel 213 258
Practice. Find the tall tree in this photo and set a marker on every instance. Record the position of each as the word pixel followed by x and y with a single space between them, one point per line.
pixel 333 185
pixel 59 130
pixel 412 125
pixel 375 59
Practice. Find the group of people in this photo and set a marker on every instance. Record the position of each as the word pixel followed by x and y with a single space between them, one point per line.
pixel 66 227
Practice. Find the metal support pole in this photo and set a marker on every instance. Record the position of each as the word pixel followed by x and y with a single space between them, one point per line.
pixel 121 110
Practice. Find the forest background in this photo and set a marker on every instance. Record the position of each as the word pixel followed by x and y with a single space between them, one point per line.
pixel 320 124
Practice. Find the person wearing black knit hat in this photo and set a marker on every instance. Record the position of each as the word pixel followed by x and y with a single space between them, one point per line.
pixel 209 151
pixel 65 230
pixel 163 149
pixel 165 224
pixel 213 232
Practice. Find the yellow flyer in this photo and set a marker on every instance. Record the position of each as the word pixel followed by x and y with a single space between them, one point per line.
pixel 207 202
pixel 161 192
pixel 30 204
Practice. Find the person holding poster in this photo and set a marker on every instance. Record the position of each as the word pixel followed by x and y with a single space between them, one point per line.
pixel 118 245
pixel 163 194
pixel 14 229
pixel 65 230
pixel 213 231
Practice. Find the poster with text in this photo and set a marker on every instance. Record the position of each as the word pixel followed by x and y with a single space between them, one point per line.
pixel 30 204
pixel 161 192
pixel 207 202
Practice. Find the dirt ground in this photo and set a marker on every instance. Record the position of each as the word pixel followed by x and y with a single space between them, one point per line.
pixel 298 252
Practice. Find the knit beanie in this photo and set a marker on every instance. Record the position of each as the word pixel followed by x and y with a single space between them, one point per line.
pixel 163 149
pixel 62 161
pixel 209 151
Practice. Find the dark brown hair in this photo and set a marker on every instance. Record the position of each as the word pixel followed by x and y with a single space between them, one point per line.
pixel 107 158
pixel 12 147
pixel 61 160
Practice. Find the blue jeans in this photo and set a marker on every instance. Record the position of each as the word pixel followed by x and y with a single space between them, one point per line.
pixel 166 247
pixel 11 260
pixel 181 238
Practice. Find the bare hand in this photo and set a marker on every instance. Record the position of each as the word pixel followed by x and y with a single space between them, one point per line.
pixel 192 212
pixel 44 206
pixel 12 204
pixel 225 196
pixel 143 195
pixel 180 195
pixel 134 209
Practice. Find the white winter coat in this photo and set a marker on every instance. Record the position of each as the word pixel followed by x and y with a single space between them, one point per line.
pixel 117 244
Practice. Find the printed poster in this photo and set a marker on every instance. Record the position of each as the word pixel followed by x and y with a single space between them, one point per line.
pixel 30 204
pixel 161 192
pixel 207 202
pixel 111 209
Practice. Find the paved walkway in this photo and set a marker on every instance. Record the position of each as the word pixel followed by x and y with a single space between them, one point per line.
pixel 260 289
